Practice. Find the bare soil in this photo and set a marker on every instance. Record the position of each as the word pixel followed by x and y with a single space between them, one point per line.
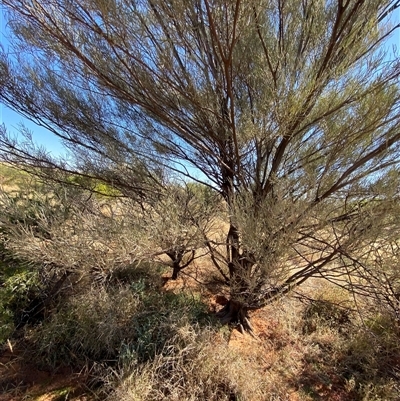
pixel 22 380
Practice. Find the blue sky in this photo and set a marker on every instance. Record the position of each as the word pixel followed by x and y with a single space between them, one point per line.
pixel 43 137
pixel 13 120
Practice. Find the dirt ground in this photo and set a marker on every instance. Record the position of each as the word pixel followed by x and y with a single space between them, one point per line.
pixel 21 380
pixel 273 348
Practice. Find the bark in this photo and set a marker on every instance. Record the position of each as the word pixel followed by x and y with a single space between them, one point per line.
pixel 176 268
pixel 176 257
pixel 236 313
pixel 239 263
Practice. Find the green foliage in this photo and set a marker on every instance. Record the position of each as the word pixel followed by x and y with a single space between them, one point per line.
pixel 27 217
pixel 100 188
pixel 360 355
pixel 203 193
pixel 7 320
pixel 19 285
pixel 87 327
pixel 104 189
pixel 36 208
pixel 188 368
pixel 326 313
pixel 289 112
pixel 12 176
pixel 370 361
pixel 110 324
pixel 163 314
pixel 79 180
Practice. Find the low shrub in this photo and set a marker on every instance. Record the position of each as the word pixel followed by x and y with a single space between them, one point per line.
pixel 88 327
pixel 194 364
pixel 20 287
pixel 104 323
pixel 357 356
pixel 329 309
pixel 371 359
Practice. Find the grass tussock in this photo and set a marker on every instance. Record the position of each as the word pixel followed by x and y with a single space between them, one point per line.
pixel 142 343
pixel 99 324
pixel 355 356
pixel 192 366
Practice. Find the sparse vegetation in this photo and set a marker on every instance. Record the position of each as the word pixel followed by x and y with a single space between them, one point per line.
pixel 226 224
pixel 133 337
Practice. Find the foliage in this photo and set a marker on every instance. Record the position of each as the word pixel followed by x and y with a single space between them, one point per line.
pixel 356 353
pixel 288 111
pixel 274 122
pixel 104 189
pixel 323 312
pixel 19 287
pixel 114 324
pixel 10 176
pixel 190 368
pixel 101 189
pixel 112 317
pixel 180 222
pixel 20 283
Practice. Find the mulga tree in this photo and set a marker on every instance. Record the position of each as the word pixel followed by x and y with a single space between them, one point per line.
pixel 289 109
pixel 178 225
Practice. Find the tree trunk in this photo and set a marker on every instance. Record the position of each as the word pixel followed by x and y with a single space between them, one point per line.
pixel 176 268
pixel 176 257
pixel 236 310
pixel 236 313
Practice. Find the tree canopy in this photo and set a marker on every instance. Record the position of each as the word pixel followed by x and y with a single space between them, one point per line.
pixel 289 109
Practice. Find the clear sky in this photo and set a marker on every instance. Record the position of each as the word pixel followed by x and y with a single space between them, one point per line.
pixel 43 137
pixel 13 120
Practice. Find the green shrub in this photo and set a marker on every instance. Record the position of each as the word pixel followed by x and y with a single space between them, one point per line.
pixel 19 287
pixel 109 323
pixel 87 327
pixel 104 189
pixel 10 175
pixel 162 315
pixel 101 188
pixel 321 312
pixel 372 354
pixel 194 364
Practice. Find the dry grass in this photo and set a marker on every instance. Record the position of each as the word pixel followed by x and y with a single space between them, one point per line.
pixel 337 357
pixel 140 340
pixel 195 367
pixel 149 345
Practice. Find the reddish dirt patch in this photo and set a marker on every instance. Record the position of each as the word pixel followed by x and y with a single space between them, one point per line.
pixel 20 379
